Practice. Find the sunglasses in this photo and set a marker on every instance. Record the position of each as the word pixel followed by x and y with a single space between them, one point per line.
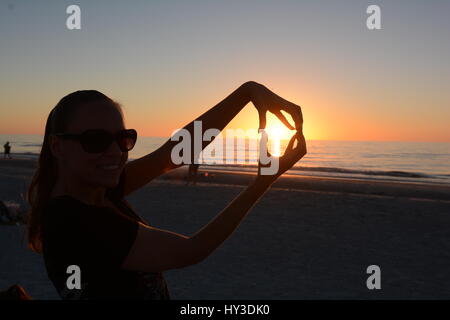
pixel 98 140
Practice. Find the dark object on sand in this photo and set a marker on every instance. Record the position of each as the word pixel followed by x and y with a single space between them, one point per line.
pixel 15 292
pixel 4 213
pixel 12 212
pixel 192 173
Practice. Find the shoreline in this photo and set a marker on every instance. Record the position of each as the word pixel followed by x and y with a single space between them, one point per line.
pixel 318 171
pixel 308 173
pixel 216 175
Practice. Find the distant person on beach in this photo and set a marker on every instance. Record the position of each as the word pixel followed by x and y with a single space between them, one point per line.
pixel 7 150
pixel 192 173
pixel 81 221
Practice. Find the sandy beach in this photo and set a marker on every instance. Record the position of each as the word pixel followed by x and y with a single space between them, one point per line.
pixel 308 237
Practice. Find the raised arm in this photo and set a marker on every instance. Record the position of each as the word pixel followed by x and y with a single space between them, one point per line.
pixel 141 171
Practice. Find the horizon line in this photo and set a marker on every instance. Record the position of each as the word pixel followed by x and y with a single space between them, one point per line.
pixel 337 140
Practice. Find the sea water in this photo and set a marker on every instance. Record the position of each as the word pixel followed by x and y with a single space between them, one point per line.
pixel 400 161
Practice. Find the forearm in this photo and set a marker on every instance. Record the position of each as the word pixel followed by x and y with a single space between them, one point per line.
pixel 211 236
pixel 217 117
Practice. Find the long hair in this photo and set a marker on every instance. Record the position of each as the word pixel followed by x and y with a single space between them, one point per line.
pixel 46 173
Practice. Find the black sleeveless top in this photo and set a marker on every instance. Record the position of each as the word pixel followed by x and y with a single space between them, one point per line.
pixel 96 240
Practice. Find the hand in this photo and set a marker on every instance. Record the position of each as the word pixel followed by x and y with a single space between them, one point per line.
pixel 290 157
pixel 265 100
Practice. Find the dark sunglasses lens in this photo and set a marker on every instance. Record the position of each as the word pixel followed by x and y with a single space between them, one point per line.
pixel 127 140
pixel 96 141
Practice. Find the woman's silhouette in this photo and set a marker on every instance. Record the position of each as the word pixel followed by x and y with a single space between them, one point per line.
pixel 79 216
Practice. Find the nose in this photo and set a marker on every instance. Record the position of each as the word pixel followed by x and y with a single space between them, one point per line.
pixel 113 149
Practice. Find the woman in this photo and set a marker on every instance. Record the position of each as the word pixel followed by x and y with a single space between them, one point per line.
pixel 78 213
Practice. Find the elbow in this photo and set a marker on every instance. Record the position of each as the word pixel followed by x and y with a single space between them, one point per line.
pixel 196 252
pixel 250 83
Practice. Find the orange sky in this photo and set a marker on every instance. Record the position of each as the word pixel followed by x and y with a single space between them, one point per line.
pixel 166 64
pixel 327 117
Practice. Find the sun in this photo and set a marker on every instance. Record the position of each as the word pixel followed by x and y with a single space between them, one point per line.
pixel 278 131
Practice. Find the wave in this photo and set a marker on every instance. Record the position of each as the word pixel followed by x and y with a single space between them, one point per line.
pixel 310 169
pixel 336 170
pixel 403 174
pixel 30 144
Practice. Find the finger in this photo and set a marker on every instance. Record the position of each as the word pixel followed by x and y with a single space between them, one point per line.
pixel 291 142
pixel 296 113
pixel 283 119
pixel 262 118
pixel 301 145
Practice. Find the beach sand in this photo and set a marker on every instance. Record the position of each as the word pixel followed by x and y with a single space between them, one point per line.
pixel 307 238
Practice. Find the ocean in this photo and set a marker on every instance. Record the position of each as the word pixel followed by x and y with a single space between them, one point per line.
pixel 425 162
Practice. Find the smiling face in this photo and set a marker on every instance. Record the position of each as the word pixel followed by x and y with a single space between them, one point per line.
pixel 92 169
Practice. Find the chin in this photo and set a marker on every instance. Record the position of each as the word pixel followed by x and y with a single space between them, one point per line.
pixel 106 179
pixel 106 182
pixel 111 183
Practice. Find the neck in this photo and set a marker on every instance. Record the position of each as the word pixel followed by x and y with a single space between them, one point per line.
pixel 93 195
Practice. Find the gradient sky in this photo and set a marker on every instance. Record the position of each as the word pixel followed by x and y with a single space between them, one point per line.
pixel 167 62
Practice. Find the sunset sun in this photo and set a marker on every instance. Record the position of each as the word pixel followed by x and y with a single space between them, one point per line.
pixel 277 132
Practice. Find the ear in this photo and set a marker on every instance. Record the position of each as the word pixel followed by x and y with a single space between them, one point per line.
pixel 55 146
